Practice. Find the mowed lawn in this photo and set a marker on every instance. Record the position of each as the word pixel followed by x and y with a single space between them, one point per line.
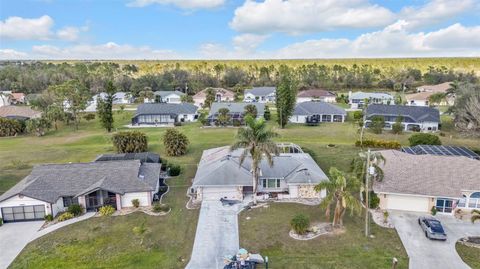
pixel 109 242
pixel 469 255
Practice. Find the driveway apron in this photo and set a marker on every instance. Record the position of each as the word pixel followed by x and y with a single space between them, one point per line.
pixel 14 237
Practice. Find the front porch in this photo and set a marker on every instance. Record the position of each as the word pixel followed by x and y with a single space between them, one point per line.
pixel 96 199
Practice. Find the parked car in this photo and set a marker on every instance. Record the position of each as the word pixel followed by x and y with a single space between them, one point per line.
pixel 432 227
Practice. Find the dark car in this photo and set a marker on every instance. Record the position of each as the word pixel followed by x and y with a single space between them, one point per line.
pixel 432 227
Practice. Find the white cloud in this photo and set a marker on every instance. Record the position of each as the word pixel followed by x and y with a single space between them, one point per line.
pixel 11 54
pixel 302 16
pixel 185 4
pixel 18 28
pixel 248 42
pixel 455 37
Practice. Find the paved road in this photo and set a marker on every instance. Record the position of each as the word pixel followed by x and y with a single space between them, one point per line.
pixel 14 237
pixel 216 236
pixel 425 253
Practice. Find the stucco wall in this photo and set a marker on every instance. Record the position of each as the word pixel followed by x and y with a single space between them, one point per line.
pixel 143 197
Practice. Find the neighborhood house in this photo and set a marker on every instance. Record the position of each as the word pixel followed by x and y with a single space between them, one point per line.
pixel 236 111
pixel 316 95
pixel 164 113
pixel 422 96
pixel 51 188
pixel 171 97
pixel 420 182
pixel 413 118
pixel 260 94
pixel 357 100
pixel 221 95
pixel 19 112
pixel 314 112
pixel 293 175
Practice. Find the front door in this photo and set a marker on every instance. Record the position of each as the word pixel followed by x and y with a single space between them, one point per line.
pixel 444 205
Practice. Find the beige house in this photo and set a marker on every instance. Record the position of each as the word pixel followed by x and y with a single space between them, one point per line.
pixel 422 96
pixel 420 182
pixel 19 112
pixel 221 95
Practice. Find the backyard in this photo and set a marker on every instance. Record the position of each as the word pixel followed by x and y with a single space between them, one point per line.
pixel 169 239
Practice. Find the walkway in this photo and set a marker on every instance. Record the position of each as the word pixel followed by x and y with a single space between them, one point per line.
pixel 15 236
pixel 216 236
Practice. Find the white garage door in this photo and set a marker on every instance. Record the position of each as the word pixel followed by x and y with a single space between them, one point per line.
pixel 408 203
pixel 217 193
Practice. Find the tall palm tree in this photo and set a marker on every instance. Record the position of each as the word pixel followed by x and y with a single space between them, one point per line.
pixel 256 141
pixel 359 165
pixel 341 189
pixel 475 215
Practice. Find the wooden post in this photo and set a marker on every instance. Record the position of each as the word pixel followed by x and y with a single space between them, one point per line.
pixel 367 204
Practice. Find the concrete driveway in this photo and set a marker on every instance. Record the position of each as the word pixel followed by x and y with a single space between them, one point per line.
pixel 216 236
pixel 14 237
pixel 425 253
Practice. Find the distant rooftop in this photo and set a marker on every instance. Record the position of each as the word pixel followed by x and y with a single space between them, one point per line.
pixel 143 157
pixel 261 91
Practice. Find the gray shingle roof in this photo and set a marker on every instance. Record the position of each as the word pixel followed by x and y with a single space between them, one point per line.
pixel 261 91
pixel 220 167
pixel 417 113
pixel 51 181
pixel 164 94
pixel 143 157
pixel 318 108
pixel 236 107
pixel 428 175
pixel 166 109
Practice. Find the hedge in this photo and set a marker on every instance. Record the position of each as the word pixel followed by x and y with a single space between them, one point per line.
pixel 371 143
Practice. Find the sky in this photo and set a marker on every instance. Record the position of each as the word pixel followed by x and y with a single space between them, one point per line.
pixel 238 29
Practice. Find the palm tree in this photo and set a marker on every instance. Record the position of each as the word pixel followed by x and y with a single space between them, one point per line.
pixel 256 141
pixel 359 165
pixel 475 215
pixel 341 189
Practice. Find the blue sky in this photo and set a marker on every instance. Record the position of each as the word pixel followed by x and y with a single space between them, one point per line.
pixel 237 29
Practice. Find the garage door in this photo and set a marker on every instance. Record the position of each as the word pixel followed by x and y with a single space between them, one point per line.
pixel 217 193
pixel 408 203
pixel 23 213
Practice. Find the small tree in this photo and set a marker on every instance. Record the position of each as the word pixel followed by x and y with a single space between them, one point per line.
pixel 250 110
pixel 424 139
pixel 105 107
pixel 286 95
pixel 397 127
pixel 376 125
pixel 266 114
pixel 300 223
pixel 186 99
pixel 38 126
pixel 223 116
pixel 55 113
pixel 175 142
pixel 130 142
pixel 209 99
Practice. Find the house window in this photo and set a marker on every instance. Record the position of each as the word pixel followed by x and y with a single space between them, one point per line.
pixel 474 201
pixel 69 200
pixel 271 183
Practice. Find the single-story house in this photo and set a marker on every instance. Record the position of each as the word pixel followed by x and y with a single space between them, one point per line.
pixel 316 112
pixel 420 182
pixel 19 112
pixel 221 95
pixel 236 111
pixel 442 151
pixel 164 113
pixel 414 118
pixel 123 98
pixel 219 174
pixel 118 98
pixel 51 188
pixel 18 98
pixel 316 95
pixel 143 157
pixel 5 98
pixel 422 96
pixel 260 94
pixel 170 97
pixel 356 100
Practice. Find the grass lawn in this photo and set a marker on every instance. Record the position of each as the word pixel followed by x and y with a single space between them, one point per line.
pixel 167 244
pixel 469 255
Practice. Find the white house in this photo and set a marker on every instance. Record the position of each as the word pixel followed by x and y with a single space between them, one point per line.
pixel 422 96
pixel 293 175
pixel 5 98
pixel 356 100
pixel 171 97
pixel 51 188
pixel 235 110
pixel 414 118
pixel 118 98
pixel 420 182
pixel 158 114
pixel 316 95
pixel 316 112
pixel 260 94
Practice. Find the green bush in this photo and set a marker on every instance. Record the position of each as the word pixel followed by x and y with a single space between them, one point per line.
pixel 376 125
pixel 175 142
pixel 266 114
pixel 174 170
pixel 424 139
pixel 157 207
pixel 357 115
pixel 433 210
pixel 107 210
pixel 130 142
pixel 370 143
pixel 89 116
pixel 65 216
pixel 373 198
pixel 48 217
pixel 1 221
pixel 75 209
pixel 300 223
pixel 236 122
pixel 136 203
pixel 9 127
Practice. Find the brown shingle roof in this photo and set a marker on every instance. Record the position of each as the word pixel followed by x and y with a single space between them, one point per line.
pixel 443 87
pixel 315 93
pixel 428 175
pixel 222 91
pixel 18 111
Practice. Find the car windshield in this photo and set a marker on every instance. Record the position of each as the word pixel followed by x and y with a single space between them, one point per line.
pixel 436 226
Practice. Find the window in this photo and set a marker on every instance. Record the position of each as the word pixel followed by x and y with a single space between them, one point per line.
pixel 474 201
pixel 69 200
pixel 271 183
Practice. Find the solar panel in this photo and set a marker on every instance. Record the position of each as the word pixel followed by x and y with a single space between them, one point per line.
pixel 441 150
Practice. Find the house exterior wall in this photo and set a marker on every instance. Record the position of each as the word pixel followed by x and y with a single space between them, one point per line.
pixel 22 201
pixel 58 207
pixel 215 193
pixel 187 117
pixel 303 118
pixel 329 99
pixel 143 197
pixel 172 99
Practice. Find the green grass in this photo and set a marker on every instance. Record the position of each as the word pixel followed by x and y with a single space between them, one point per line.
pixel 469 255
pixel 266 232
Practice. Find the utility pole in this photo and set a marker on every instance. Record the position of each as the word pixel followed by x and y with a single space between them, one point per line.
pixel 367 202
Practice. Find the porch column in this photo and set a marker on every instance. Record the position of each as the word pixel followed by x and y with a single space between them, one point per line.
pixel 82 202
pixel 118 200
pixel 331 118
pixel 149 198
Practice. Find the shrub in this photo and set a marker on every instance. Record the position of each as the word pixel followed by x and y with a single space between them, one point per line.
pixel 385 216
pixel 106 210
pixel 379 144
pixel 376 125
pixel 175 142
pixel 75 209
pixel 433 210
pixel 373 198
pixel 236 122
pixel 251 110
pixel 266 114
pixel 157 207
pixel 424 139
pixel 357 115
pixel 174 170
pixel 397 127
pixel 130 142
pixel 135 203
pixel 48 217
pixel 9 127
pixel 65 216
pixel 38 126
pixel 1 221
pixel 177 123
pixel 89 116
pixel 300 223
